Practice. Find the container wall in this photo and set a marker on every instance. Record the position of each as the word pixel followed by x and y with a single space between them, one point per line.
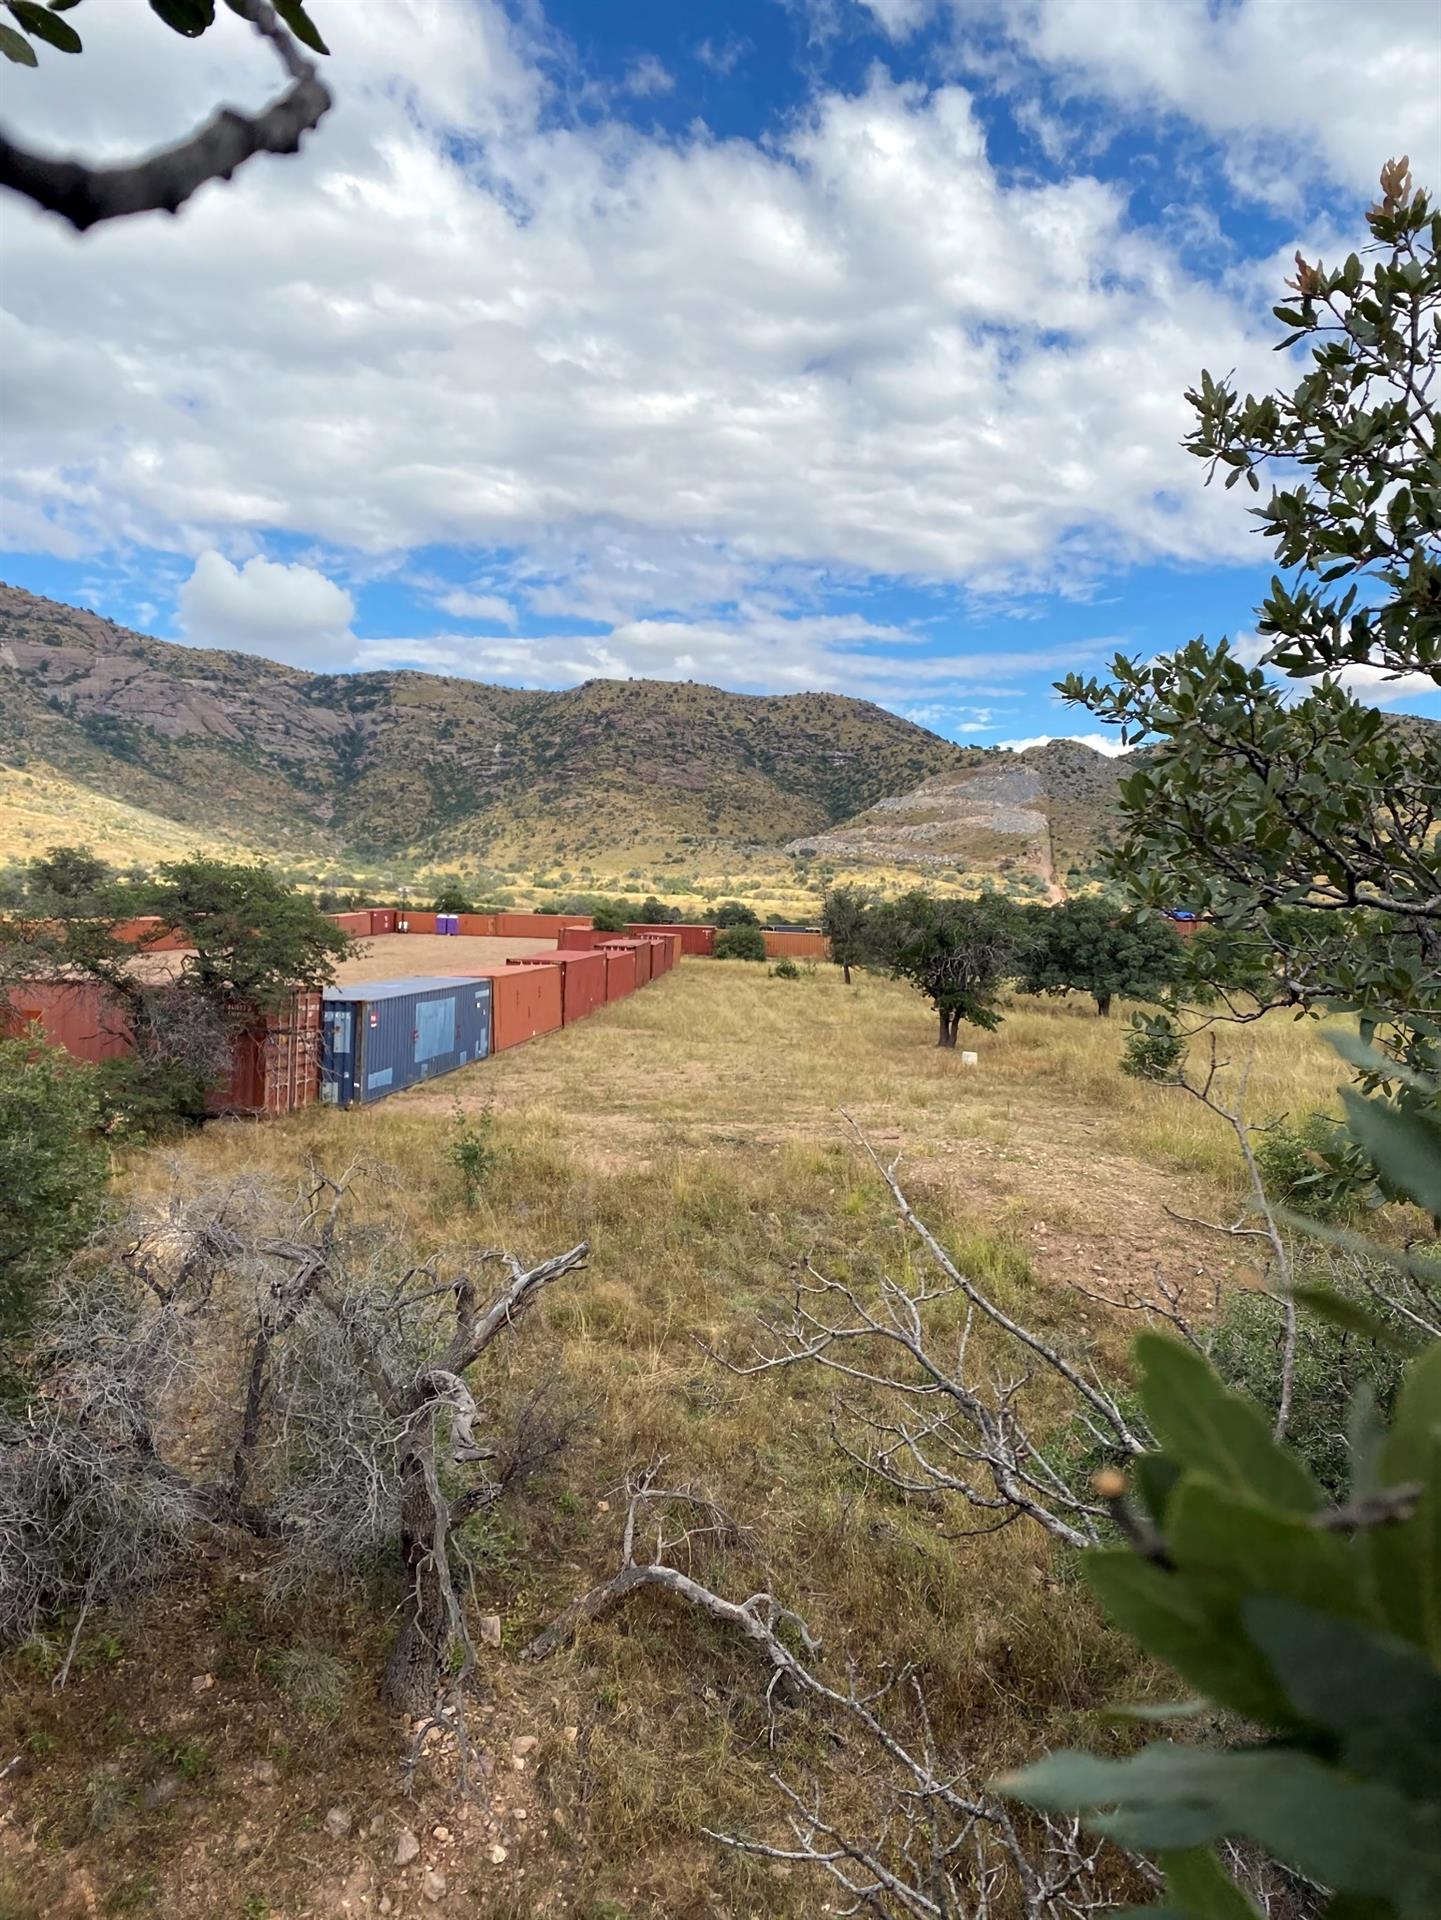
pixel 356 924
pixel 619 972
pixel 782 945
pixel 382 920
pixel 695 939
pixel 578 939
pixel 414 922
pixel 478 926
pixel 582 980
pixel 526 1001
pixel 148 931
pixel 536 926
pixel 81 1018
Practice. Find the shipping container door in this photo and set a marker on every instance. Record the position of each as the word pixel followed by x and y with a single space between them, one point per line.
pixel 338 1056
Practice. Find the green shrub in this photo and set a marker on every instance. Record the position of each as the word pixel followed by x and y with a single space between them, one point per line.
pixel 1304 1167
pixel 53 1172
pixel 1154 1048
pixel 740 943
pixel 785 968
pixel 144 1098
pixel 734 913
pixel 472 1151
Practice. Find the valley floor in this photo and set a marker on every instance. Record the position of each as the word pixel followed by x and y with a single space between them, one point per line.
pixel 696 1133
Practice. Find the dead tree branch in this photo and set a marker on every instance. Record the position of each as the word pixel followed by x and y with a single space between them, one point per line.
pixel 163 181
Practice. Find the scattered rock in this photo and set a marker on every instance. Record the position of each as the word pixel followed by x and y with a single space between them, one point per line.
pixel 497 1855
pixel 490 1629
pixel 265 1773
pixel 160 1792
pixel 385 1903
pixel 434 1884
pixel 338 1822
pixel 572 1734
pixel 442 1834
pixel 202 1683
pixel 524 1744
pixel 406 1847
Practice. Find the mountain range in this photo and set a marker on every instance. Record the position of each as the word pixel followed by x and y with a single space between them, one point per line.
pixel 363 766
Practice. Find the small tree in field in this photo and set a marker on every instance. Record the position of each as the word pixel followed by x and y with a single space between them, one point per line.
pixel 1088 946
pixel 958 953
pixel 254 936
pixel 740 943
pixel 845 921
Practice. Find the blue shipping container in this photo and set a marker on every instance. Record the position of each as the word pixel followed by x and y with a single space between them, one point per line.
pixel 382 1035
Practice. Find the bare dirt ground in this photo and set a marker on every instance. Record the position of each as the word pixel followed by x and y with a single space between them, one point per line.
pixel 393 956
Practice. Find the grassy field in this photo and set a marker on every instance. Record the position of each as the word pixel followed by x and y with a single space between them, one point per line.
pixel 695 1135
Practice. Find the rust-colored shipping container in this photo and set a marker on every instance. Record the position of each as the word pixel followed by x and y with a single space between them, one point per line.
pixel 477 926
pixel 686 939
pixel 786 944
pixel 414 921
pixel 536 926
pixel 660 945
pixel 82 1018
pixel 582 980
pixel 275 1066
pixel 357 925
pixel 382 919
pixel 525 1001
pixel 622 943
pixel 620 978
pixel 578 939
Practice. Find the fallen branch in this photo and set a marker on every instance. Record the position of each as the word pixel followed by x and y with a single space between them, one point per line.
pixel 164 181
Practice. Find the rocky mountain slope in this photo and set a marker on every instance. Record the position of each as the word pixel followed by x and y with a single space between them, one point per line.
pixel 1044 811
pixel 376 762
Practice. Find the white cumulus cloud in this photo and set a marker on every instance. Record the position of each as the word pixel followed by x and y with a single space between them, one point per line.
pixel 284 612
pixel 1107 743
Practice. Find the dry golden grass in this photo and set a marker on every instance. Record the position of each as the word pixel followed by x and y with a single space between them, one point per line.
pixel 693 1134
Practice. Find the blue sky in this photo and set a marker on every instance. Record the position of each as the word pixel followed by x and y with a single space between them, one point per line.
pixel 779 344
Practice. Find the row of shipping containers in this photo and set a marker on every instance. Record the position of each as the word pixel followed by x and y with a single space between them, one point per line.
pixel 382 1035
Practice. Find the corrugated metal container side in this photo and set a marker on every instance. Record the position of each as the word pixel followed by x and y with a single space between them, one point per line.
pixel 356 924
pixel 620 976
pixel 525 1002
pixel 536 926
pixel 383 1035
pixel 382 919
pixel 478 926
pixel 658 953
pixel 784 944
pixel 696 939
pixel 275 1066
pixel 582 980
pixel 82 1018
pixel 668 946
pixel 414 922
pixel 578 939
pixel 684 939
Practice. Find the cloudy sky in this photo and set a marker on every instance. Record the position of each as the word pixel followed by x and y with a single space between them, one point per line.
pixel 775 343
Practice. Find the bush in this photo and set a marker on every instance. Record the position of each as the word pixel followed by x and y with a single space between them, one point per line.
pixel 52 1172
pixel 785 968
pixel 1154 1048
pixel 734 913
pixel 1304 1167
pixel 740 943
pixel 1331 1362
pixel 451 898
pixel 471 1150
pixel 142 1098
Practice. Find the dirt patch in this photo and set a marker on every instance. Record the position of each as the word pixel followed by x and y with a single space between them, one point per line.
pixel 394 956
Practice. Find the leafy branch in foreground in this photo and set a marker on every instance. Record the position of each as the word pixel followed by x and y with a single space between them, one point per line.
pixel 1307 829
pixel 163 181
pixel 1316 1625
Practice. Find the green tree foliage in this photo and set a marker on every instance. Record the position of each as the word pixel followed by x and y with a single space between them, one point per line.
pixel 846 922
pixel 734 913
pixel 655 913
pixel 254 936
pixel 43 25
pixel 1313 1620
pixel 53 1172
pixel 1307 828
pixel 1155 1048
pixel 608 916
pixel 70 880
pixel 451 898
pixel 740 943
pixel 1089 946
pixel 959 953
